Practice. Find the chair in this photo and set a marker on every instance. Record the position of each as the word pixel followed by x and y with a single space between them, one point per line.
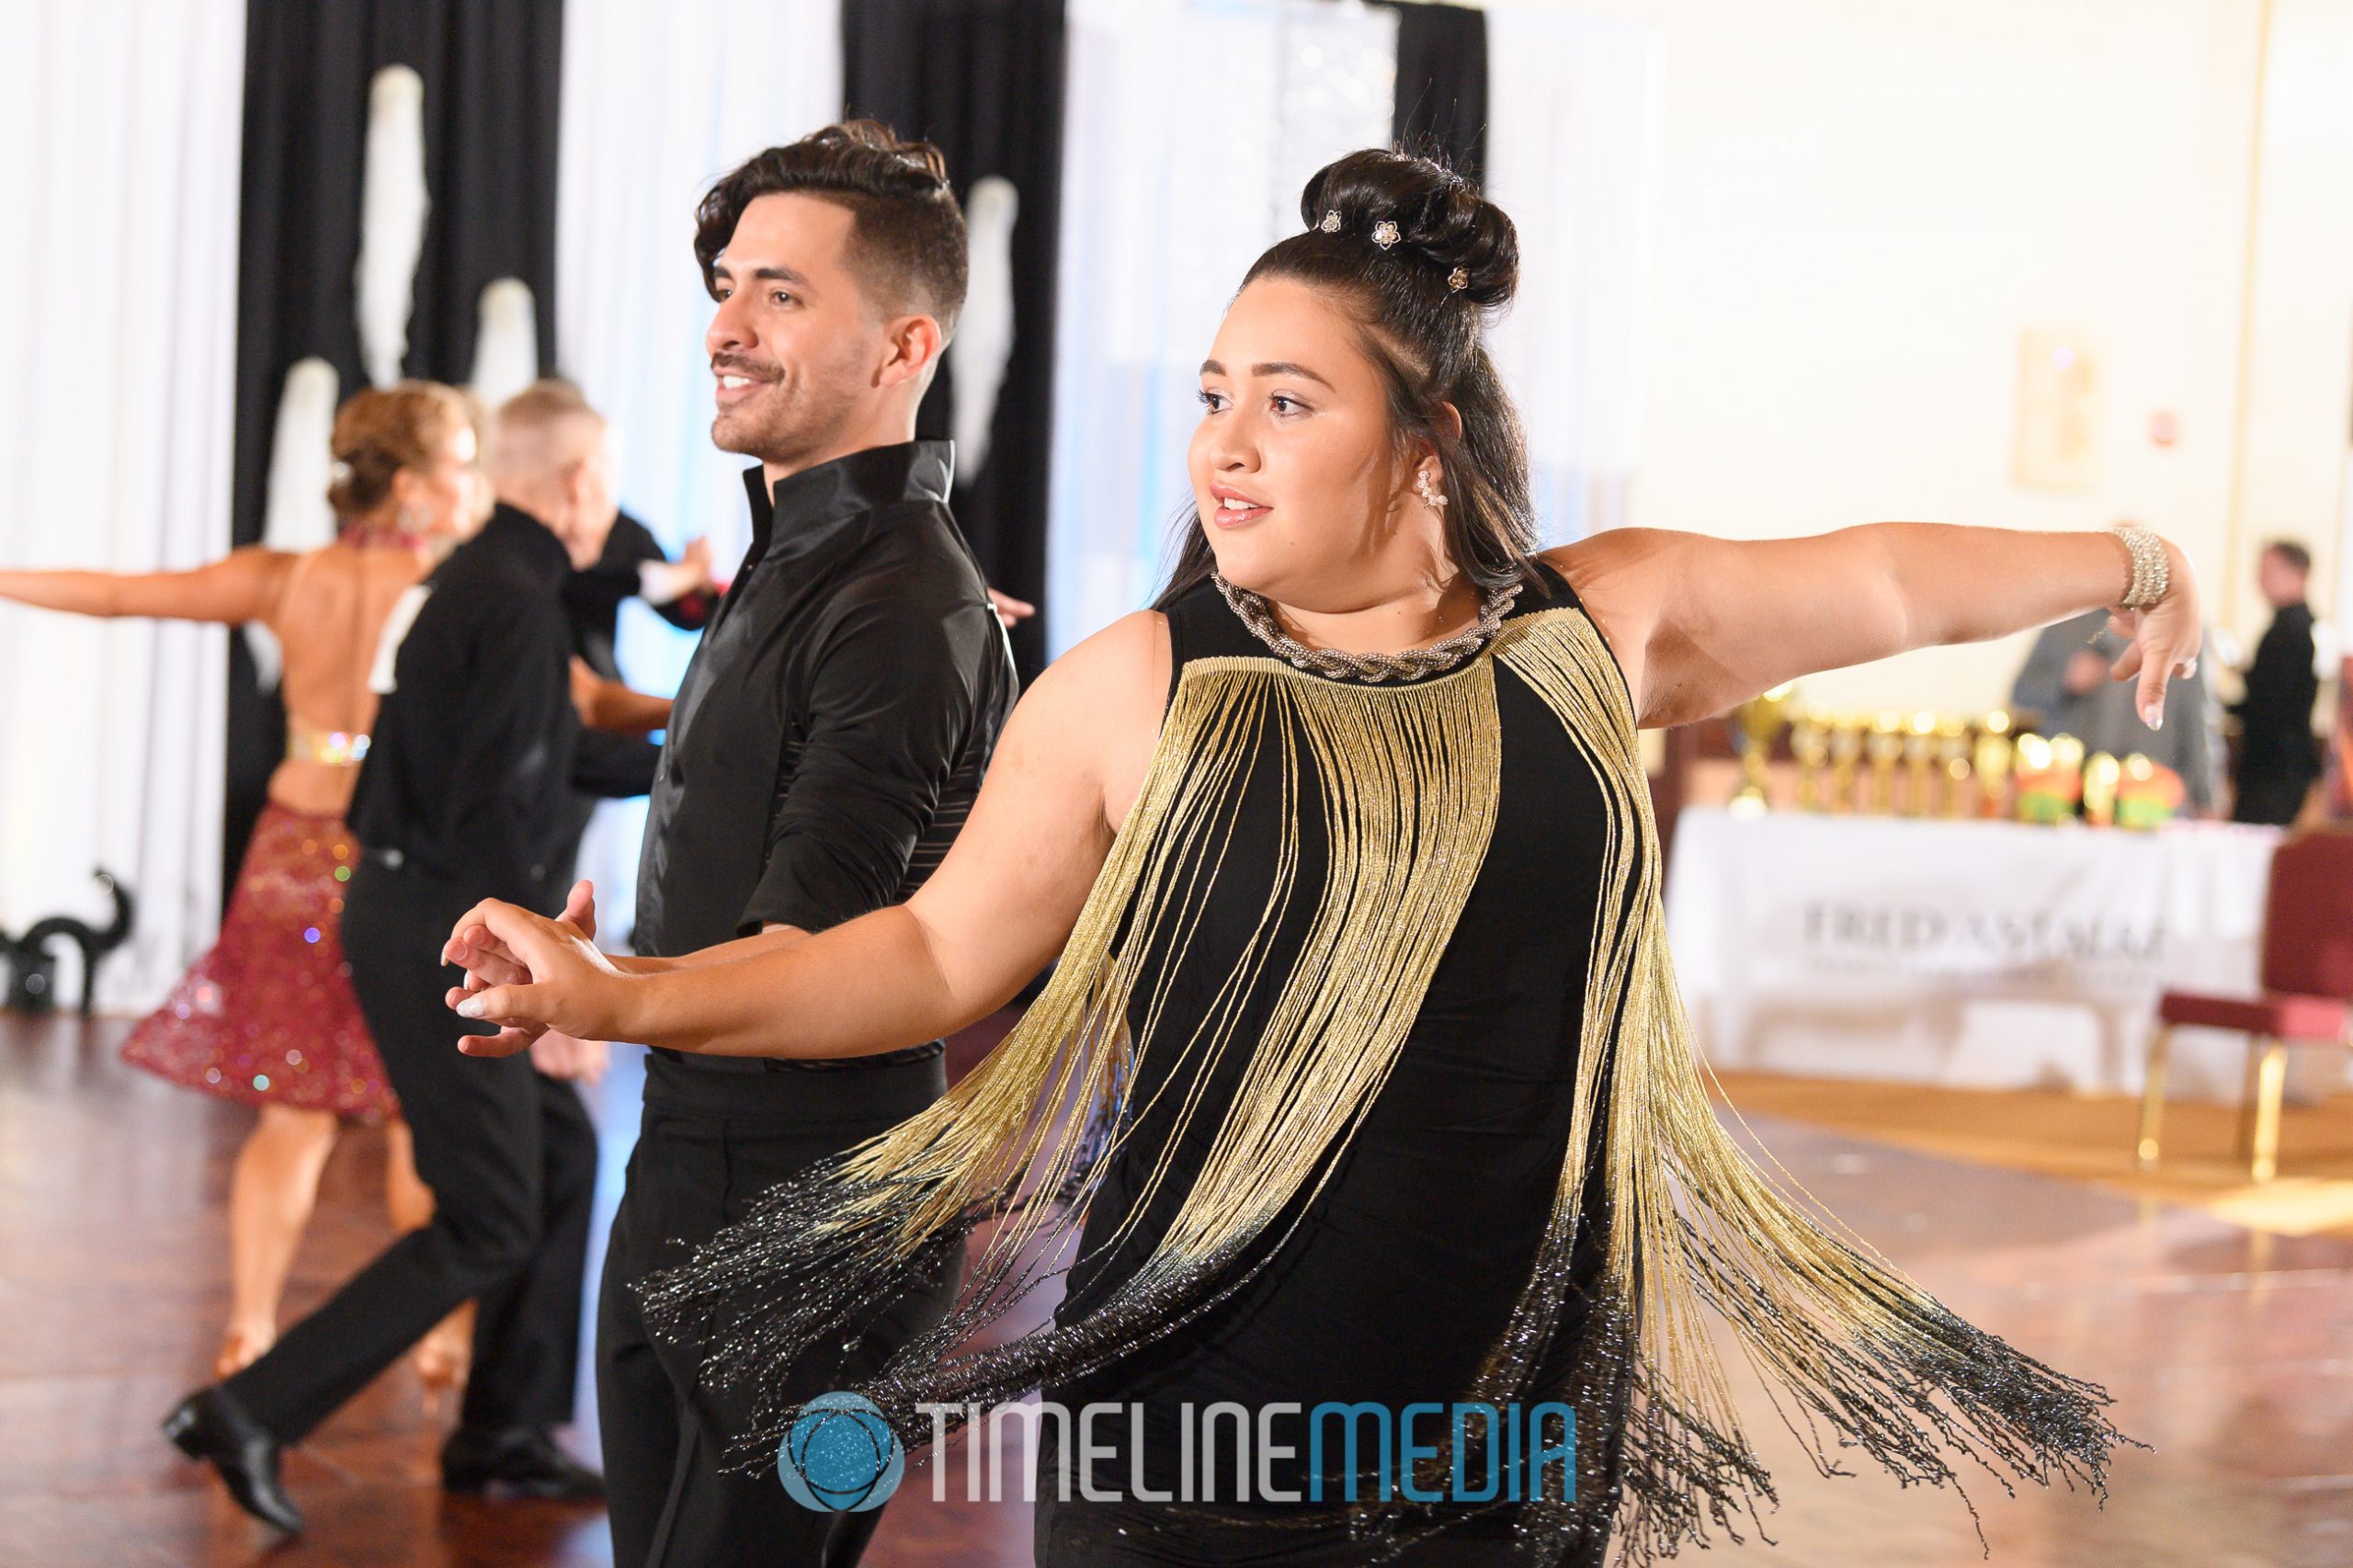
pixel 2307 980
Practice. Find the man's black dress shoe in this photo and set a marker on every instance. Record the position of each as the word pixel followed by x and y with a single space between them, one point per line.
pixel 212 1425
pixel 516 1462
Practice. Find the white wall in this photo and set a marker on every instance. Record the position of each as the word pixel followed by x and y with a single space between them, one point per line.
pixel 2301 353
pixel 1863 204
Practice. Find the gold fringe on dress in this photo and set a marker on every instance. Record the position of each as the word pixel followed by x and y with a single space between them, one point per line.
pixel 1405 783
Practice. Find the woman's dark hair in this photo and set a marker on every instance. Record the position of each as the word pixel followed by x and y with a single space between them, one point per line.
pixel 1424 336
pixel 908 235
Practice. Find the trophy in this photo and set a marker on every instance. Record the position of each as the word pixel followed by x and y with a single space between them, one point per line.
pixel 1919 756
pixel 2051 778
pixel 1952 755
pixel 1759 721
pixel 1884 745
pixel 1995 751
pixel 1846 750
pixel 1810 743
pixel 2149 794
pixel 2102 773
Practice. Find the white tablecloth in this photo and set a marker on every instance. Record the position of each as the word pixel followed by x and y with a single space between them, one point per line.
pixel 1983 954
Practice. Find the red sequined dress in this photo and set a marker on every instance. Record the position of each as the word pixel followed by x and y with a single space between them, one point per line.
pixel 268 1017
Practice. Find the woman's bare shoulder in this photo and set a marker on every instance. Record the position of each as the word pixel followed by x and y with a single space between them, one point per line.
pixel 1131 655
pixel 1101 703
pixel 1625 579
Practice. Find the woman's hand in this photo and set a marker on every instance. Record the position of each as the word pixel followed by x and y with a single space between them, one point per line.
pixel 545 974
pixel 2166 638
pixel 574 1060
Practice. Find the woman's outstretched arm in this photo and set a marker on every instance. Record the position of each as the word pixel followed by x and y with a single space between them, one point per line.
pixel 240 587
pixel 1700 623
pixel 996 912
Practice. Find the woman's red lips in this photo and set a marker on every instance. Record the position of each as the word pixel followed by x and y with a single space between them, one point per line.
pixel 1234 508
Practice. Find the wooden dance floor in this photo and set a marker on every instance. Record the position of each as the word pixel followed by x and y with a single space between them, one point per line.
pixel 2230 1352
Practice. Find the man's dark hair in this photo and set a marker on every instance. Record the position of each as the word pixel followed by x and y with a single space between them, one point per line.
pixel 907 238
pixel 2294 555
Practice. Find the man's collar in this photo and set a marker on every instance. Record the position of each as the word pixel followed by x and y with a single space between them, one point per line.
pixel 847 486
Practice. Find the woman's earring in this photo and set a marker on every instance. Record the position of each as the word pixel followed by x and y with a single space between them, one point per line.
pixel 1428 492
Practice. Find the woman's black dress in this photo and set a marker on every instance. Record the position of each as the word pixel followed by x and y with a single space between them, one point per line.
pixel 1402 1270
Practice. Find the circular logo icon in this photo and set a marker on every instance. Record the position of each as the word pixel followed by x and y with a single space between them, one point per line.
pixel 840 1456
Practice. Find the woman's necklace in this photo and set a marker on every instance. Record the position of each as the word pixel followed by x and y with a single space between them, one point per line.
pixel 360 536
pixel 1411 664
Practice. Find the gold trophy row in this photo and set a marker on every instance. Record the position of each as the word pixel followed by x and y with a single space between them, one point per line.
pixel 1941 764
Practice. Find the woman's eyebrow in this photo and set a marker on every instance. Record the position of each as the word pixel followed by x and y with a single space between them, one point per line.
pixel 1272 367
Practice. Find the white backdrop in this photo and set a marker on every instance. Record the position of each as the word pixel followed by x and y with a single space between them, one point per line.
pixel 1189 130
pixel 119 259
pixel 658 102
pixel 1573 105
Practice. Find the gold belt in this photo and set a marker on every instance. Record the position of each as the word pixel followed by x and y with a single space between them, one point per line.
pixel 329 748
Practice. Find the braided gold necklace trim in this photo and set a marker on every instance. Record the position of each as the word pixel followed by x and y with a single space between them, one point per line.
pixel 1410 665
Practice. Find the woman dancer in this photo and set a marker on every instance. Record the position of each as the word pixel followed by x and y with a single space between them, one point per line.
pixel 1361 1075
pixel 268 1017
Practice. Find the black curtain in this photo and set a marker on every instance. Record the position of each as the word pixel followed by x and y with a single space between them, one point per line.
pixel 1442 107
pixel 982 80
pixel 491 75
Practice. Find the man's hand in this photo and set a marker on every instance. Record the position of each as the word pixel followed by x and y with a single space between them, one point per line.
pixel 588 690
pixel 1010 609
pixel 2086 671
pixel 489 961
pixel 562 1056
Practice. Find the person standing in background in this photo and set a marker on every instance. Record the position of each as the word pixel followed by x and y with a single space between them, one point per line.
pixel 267 1017
pixel 2066 683
pixel 474 754
pixel 2278 757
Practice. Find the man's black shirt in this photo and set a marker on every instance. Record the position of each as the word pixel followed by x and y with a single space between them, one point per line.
pixel 831 732
pixel 2276 714
pixel 471 757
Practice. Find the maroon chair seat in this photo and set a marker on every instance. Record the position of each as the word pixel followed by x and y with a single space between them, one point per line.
pixel 2290 1016
pixel 2307 980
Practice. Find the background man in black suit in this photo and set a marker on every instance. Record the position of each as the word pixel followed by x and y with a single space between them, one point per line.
pixel 472 761
pixel 2279 759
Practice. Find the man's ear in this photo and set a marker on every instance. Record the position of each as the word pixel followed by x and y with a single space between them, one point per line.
pixel 915 344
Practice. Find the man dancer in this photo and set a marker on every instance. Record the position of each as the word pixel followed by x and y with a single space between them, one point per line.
pixel 826 743
pixel 471 761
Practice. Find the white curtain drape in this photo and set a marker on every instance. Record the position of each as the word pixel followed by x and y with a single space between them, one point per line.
pixel 1190 126
pixel 658 102
pixel 119 259
pixel 1573 105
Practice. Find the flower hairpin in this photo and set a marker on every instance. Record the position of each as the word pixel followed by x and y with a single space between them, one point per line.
pixel 1386 234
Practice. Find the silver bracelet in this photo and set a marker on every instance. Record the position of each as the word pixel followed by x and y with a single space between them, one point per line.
pixel 2150 575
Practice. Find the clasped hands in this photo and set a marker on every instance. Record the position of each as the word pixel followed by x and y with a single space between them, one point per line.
pixel 542 982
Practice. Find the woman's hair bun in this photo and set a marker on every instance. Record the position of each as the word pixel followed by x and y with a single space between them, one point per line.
pixel 1442 218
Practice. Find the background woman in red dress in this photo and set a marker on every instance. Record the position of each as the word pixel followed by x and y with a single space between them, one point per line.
pixel 267 1016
